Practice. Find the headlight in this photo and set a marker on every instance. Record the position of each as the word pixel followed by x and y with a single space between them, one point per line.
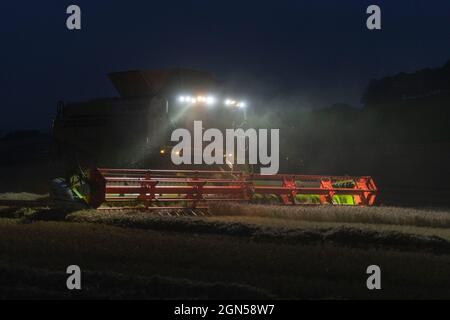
pixel 210 100
pixel 235 103
pixel 230 102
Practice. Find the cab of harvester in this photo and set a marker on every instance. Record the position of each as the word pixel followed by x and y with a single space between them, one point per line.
pixel 134 129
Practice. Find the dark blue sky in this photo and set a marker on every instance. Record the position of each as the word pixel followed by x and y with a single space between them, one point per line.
pixel 313 53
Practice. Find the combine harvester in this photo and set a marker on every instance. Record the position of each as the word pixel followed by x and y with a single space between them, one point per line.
pixel 133 131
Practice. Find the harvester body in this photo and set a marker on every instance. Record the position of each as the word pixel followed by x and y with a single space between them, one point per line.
pixel 133 131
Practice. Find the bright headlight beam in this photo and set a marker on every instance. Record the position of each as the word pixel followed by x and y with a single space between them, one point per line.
pixel 230 102
pixel 210 100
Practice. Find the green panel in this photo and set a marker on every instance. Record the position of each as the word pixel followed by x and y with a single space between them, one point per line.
pixel 344 199
pixel 308 198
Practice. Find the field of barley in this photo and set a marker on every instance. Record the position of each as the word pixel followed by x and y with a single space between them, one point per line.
pixel 235 251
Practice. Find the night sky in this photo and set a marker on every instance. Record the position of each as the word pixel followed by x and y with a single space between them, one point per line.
pixel 311 53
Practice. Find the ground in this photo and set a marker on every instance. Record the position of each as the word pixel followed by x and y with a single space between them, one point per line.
pixel 236 251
